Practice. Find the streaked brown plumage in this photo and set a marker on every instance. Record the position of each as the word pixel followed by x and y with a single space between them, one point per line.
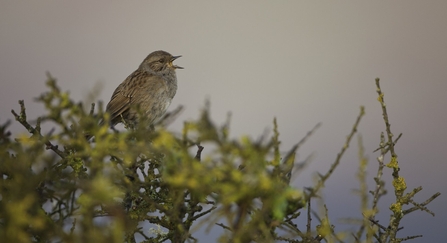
pixel 150 88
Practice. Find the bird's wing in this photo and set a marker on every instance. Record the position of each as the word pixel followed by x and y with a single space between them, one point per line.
pixel 121 100
pixel 130 92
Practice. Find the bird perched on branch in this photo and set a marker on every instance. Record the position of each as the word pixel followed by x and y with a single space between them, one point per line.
pixel 150 89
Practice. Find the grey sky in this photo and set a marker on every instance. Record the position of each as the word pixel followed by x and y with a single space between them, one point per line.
pixel 303 62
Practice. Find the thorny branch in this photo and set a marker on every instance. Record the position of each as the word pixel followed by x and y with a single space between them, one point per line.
pixel 388 145
pixel 35 130
pixel 334 165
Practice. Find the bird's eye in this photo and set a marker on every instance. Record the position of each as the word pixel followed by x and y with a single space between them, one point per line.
pixel 161 61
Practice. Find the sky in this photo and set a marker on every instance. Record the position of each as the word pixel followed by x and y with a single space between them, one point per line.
pixel 303 62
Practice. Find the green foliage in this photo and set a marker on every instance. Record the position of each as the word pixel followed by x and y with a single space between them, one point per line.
pixel 58 186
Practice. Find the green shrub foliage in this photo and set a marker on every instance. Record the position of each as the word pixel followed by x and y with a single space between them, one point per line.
pixel 152 185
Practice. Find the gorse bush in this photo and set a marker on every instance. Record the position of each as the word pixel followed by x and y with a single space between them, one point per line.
pixel 152 185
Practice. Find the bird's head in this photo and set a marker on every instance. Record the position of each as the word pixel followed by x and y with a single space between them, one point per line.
pixel 159 62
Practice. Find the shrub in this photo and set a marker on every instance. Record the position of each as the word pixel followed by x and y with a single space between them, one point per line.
pixel 58 186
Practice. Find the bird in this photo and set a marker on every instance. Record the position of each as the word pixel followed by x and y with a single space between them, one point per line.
pixel 150 89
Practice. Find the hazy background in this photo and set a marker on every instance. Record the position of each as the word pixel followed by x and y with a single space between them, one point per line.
pixel 303 62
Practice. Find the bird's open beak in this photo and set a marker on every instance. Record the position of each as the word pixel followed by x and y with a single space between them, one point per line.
pixel 175 66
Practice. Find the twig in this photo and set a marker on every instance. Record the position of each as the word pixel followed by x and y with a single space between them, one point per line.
pixel 35 131
pixel 411 237
pixel 379 191
pixel 398 182
pixel 363 190
pixel 383 146
pixel 203 213
pixel 199 152
pixel 309 217
pixel 334 165
pixel 301 142
pixel 223 226
pixel 421 206
pixel 390 142
pixel 376 222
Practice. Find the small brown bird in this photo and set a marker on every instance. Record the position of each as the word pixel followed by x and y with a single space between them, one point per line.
pixel 150 89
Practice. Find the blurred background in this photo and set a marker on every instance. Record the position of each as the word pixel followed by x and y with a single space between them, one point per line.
pixel 303 62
